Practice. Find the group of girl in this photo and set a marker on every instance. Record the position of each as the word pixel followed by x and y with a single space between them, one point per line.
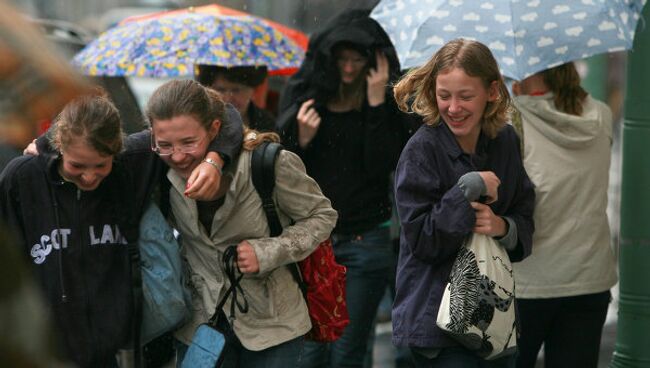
pixel 344 134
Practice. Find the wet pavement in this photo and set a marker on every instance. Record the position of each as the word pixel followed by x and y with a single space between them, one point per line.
pixel 384 352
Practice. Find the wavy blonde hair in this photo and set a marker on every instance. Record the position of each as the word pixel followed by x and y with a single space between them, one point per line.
pixel 416 91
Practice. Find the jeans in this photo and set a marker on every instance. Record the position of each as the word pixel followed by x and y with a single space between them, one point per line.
pixel 369 260
pixel 569 327
pixel 459 357
pixel 284 355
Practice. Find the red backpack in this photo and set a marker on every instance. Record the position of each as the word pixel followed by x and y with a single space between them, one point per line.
pixel 321 279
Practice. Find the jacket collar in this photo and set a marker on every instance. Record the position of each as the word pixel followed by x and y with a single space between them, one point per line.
pixel 453 149
pixel 52 168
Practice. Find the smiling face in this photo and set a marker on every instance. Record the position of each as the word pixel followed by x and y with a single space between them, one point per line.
pixel 179 132
pixel 461 101
pixel 83 166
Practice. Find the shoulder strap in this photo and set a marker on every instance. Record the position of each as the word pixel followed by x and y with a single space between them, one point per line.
pixel 263 175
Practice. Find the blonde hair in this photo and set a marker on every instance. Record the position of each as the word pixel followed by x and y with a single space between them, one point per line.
pixel 416 91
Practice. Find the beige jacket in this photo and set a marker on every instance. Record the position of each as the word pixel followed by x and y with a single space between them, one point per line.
pixel 277 311
pixel 567 157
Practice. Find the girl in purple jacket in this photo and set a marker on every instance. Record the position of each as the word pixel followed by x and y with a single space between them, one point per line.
pixel 460 173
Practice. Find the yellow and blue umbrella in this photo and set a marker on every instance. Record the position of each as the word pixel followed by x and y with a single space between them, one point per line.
pixel 172 46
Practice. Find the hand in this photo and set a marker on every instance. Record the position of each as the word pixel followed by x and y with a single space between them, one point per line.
pixel 492 183
pixel 31 149
pixel 205 180
pixel 487 222
pixel 377 80
pixel 246 258
pixel 308 123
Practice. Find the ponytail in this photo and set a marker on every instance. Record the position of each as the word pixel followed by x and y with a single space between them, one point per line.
pixel 564 82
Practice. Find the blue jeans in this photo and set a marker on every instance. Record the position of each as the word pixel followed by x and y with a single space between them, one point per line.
pixel 369 260
pixel 459 357
pixel 284 355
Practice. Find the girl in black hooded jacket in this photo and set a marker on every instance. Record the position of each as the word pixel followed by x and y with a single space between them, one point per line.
pixel 339 116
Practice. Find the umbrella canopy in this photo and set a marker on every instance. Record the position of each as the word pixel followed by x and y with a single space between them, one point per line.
pixel 218 10
pixel 170 46
pixel 525 36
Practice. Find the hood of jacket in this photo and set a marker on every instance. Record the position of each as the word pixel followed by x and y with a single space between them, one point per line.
pixel 318 75
pixel 566 130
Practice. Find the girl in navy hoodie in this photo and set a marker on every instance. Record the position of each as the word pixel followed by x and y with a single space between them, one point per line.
pixel 465 152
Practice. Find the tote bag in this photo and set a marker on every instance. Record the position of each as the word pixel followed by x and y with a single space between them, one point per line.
pixel 478 305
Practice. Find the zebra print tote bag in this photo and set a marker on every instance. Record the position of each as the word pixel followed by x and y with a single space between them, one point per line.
pixel 477 307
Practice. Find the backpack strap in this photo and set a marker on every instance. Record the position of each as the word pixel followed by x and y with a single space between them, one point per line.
pixel 263 175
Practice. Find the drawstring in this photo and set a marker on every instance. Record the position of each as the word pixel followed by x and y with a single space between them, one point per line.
pixel 55 204
pixel 231 269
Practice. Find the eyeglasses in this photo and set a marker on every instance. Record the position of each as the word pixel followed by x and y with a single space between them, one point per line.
pixel 166 149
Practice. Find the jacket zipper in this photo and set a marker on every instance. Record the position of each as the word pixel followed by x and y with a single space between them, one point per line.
pixel 82 251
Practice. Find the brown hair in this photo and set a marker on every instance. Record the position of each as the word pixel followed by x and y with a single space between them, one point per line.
pixel 355 91
pixel 253 138
pixel 416 91
pixel 251 76
pixel 564 82
pixel 92 117
pixel 185 97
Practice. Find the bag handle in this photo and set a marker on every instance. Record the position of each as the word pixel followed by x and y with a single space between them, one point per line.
pixel 230 266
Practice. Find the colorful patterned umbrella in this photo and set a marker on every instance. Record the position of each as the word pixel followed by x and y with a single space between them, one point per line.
pixel 219 10
pixel 526 36
pixel 170 46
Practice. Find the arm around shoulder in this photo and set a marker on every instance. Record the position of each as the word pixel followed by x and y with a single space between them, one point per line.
pixel 228 141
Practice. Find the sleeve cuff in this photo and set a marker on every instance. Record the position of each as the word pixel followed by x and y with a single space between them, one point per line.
pixel 509 241
pixel 472 186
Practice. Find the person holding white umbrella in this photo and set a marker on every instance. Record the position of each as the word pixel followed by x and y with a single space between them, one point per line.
pixel 563 287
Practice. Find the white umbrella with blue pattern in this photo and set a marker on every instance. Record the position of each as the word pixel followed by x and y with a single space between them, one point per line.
pixel 525 36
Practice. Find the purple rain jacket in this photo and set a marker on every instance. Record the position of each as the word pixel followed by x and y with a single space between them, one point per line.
pixel 436 217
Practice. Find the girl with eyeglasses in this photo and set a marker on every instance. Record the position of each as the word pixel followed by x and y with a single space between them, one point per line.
pixel 271 333
pixel 236 85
